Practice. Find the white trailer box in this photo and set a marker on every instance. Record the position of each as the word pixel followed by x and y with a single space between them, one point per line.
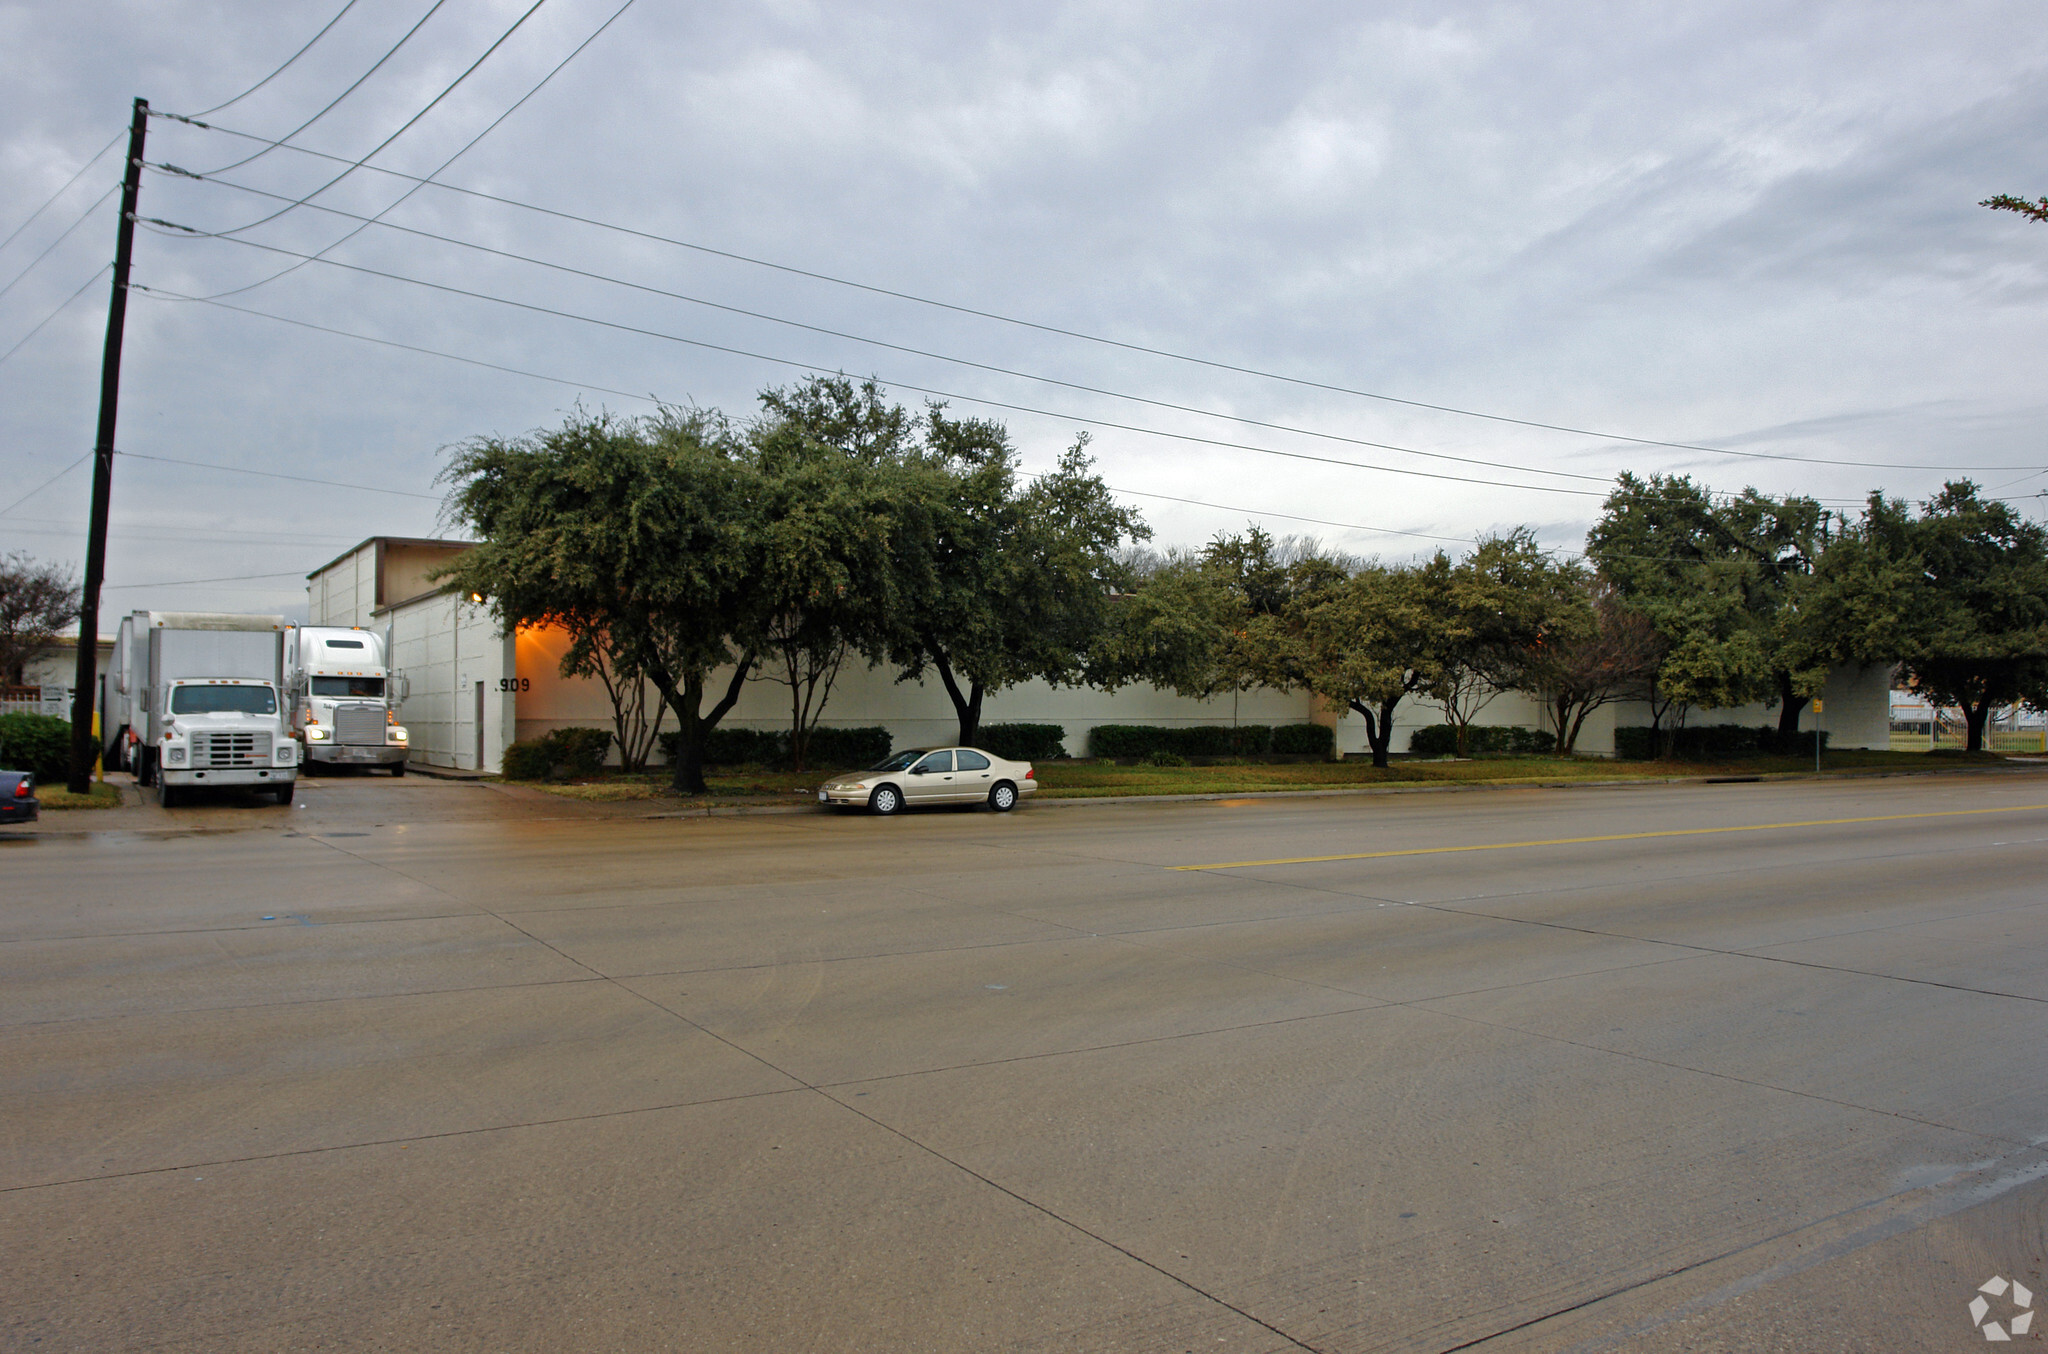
pixel 210 711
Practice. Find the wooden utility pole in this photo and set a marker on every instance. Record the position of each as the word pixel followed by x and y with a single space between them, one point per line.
pixel 85 681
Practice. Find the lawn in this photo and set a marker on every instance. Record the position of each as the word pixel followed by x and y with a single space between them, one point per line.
pixel 1093 780
pixel 101 796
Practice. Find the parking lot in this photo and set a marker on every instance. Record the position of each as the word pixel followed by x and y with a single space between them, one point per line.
pixel 418 1064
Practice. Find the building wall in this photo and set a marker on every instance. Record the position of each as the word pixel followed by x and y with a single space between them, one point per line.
pixel 453 661
pixel 345 592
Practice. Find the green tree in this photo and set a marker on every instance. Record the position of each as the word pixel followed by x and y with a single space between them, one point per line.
pixel 2006 202
pixel 1502 601
pixel 1724 584
pixel 1958 594
pixel 831 462
pixel 1371 639
pixel 1607 652
pixel 642 536
pixel 998 582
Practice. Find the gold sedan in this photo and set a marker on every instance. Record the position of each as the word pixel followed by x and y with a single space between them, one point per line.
pixel 923 776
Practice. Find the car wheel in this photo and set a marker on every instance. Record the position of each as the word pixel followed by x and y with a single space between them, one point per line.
pixel 1003 797
pixel 886 799
pixel 284 792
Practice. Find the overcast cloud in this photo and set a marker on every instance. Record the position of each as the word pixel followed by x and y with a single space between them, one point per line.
pixel 1747 226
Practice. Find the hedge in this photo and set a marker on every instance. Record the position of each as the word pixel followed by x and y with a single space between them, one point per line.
pixel 1209 740
pixel 564 752
pixel 830 747
pixel 1441 740
pixel 1707 741
pixel 37 744
pixel 1022 742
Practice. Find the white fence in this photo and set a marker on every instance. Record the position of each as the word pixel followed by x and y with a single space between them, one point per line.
pixel 48 700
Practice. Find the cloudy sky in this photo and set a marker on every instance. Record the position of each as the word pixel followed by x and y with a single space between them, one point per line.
pixel 1747 228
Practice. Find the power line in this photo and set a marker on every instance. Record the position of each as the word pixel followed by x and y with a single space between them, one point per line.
pixel 469 145
pixel 112 189
pixel 55 313
pixel 281 141
pixel 393 343
pixel 50 481
pixel 188 582
pixel 287 62
pixel 872 342
pixel 171 226
pixel 402 130
pixel 52 200
pixel 1060 331
pixel 278 475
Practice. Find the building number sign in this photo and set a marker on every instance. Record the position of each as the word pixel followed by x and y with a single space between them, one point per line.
pixel 515 684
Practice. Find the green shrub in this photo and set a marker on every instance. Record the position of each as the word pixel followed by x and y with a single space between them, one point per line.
pixel 1441 740
pixel 1709 741
pixel 581 752
pixel 830 747
pixel 1161 757
pixel 843 749
pixel 37 744
pixel 529 760
pixel 564 752
pixel 1021 742
pixel 1305 740
pixel 1192 740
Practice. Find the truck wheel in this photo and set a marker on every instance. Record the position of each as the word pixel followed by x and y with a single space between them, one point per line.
pixel 398 768
pixel 145 768
pixel 168 796
pixel 284 792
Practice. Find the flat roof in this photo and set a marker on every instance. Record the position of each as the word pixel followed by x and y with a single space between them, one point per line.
pixel 386 540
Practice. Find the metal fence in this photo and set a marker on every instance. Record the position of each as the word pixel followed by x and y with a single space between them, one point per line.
pixel 32 700
pixel 1914 736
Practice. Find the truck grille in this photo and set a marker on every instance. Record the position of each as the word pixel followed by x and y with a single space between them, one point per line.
pixel 225 750
pixel 359 725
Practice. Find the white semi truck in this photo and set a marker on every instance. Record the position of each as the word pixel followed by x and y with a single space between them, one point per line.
pixel 343 697
pixel 201 694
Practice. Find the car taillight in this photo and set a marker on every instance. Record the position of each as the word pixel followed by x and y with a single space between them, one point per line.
pixel 21 789
pixel 1031 774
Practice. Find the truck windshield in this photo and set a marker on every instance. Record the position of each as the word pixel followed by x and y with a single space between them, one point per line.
pixel 349 686
pixel 212 700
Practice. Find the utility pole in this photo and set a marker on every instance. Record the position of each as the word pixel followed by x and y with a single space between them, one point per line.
pixel 85 681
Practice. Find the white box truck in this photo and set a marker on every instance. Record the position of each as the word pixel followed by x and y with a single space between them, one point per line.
pixel 206 703
pixel 343 698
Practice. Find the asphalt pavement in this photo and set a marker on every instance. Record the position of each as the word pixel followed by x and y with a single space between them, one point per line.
pixel 421 1065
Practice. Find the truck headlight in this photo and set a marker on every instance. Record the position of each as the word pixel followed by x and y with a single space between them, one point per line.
pixel 396 733
pixel 174 756
pixel 287 752
pixel 315 734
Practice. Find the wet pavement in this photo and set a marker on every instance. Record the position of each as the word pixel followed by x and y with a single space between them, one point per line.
pixel 421 1064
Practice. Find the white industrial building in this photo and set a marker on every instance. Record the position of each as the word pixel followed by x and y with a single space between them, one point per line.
pixel 474 691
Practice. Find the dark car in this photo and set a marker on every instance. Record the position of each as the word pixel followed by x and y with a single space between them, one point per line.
pixel 18 802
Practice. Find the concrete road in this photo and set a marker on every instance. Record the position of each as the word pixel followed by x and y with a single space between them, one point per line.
pixel 419 1065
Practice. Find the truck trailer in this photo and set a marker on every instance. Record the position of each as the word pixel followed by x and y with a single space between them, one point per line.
pixel 343 698
pixel 204 702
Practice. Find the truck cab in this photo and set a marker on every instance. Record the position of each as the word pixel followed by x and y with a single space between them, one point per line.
pixel 344 698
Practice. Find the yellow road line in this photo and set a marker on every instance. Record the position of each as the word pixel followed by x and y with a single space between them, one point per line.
pixel 1612 837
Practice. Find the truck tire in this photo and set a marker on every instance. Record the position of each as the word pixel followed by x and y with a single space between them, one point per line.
pixel 145 767
pixel 168 796
pixel 398 768
pixel 284 792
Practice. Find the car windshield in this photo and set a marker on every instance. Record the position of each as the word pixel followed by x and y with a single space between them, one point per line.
pixel 213 700
pixel 348 686
pixel 900 762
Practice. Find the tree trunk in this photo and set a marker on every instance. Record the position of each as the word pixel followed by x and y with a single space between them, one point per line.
pixel 1975 716
pixel 1789 709
pixel 1379 732
pixel 686 700
pixel 966 706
